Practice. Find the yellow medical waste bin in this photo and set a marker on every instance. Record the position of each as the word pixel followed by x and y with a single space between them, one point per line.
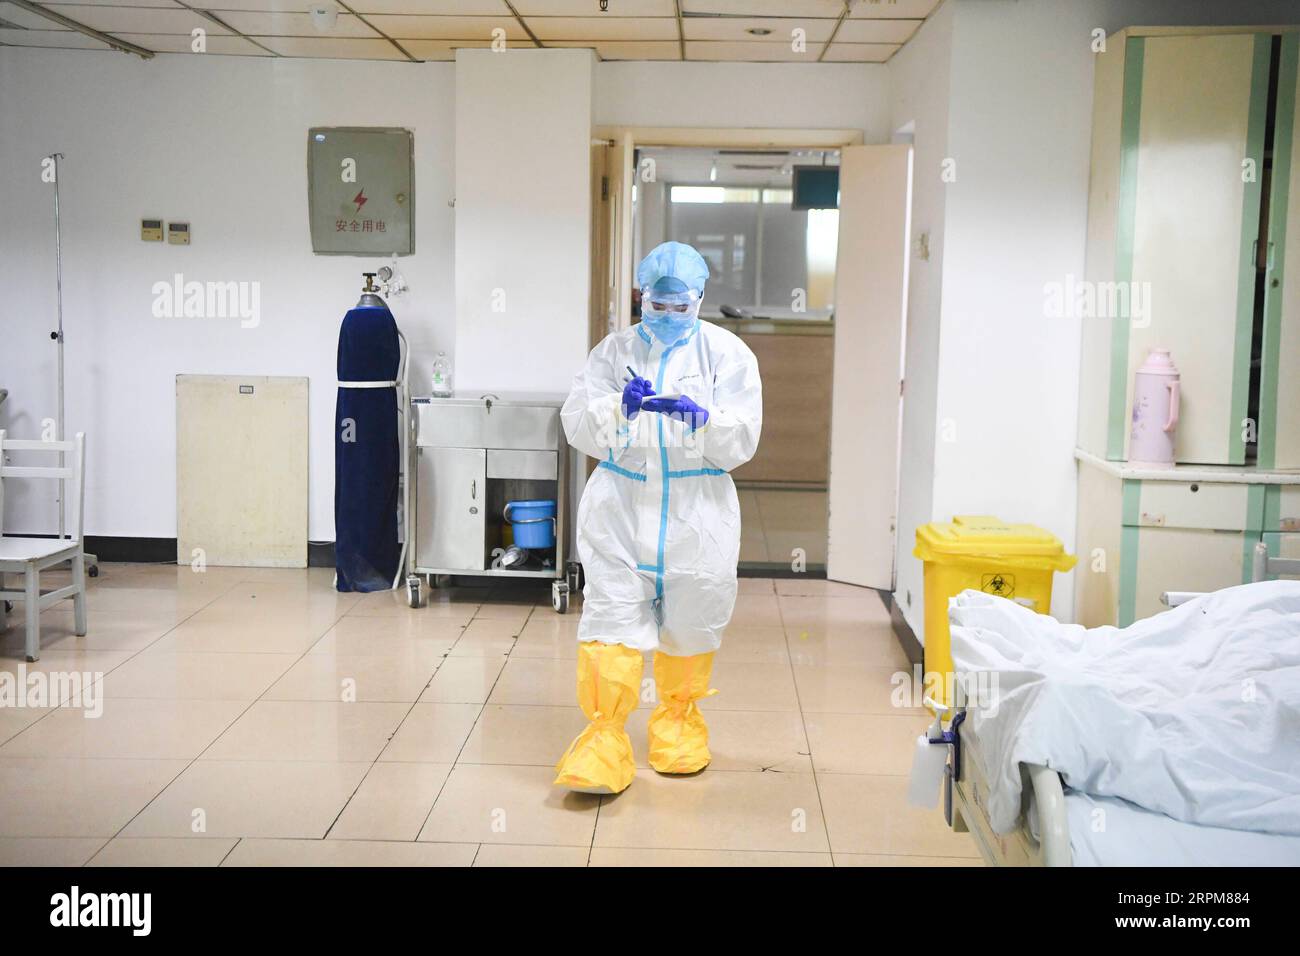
pixel 984 553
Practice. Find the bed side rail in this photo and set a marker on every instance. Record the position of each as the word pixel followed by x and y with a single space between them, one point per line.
pixel 1053 825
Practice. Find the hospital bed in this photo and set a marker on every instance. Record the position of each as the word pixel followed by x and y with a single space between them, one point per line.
pixel 1043 836
pixel 1058 827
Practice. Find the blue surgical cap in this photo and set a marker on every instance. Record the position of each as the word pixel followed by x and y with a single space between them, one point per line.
pixel 672 271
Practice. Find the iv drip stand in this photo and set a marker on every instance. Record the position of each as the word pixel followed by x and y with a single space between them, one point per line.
pixel 92 563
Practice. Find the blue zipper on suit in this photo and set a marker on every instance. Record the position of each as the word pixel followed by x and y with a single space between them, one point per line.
pixel 657 604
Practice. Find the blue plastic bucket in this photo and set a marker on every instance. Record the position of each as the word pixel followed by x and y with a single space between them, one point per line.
pixel 533 523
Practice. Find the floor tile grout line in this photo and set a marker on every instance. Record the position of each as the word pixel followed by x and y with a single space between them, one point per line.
pixel 595 826
pixel 237 717
pixel 387 743
pixel 90 859
pixel 528 618
pixel 240 715
pixel 130 657
pixel 234 846
pixel 479 846
pixel 973 860
pixel 812 760
pixel 479 716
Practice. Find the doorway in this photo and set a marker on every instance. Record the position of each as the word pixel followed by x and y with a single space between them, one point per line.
pixel 771 256
pixel 825 500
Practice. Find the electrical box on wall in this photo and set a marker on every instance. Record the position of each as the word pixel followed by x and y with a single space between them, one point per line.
pixel 178 233
pixel 361 191
pixel 151 230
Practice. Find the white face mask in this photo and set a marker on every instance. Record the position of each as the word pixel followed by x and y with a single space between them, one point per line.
pixel 668 326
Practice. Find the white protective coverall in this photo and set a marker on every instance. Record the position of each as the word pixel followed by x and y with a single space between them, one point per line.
pixel 659 521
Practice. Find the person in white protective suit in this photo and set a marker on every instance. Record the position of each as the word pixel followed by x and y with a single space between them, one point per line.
pixel 667 408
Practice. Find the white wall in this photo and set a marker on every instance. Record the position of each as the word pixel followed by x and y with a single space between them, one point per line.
pixel 1019 103
pixel 523 218
pixel 220 142
pixel 1015 219
pixel 919 86
pixel 745 95
pixel 1003 87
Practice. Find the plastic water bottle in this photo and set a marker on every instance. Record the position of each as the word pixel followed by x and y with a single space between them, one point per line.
pixel 442 376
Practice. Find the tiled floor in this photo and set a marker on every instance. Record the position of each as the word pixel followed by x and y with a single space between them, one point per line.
pixel 777 525
pixel 259 718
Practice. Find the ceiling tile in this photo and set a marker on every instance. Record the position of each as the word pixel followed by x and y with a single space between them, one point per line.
pixel 439 49
pixel 140 19
pixel 26 19
pixel 446 28
pixel 753 52
pixel 767 8
pixel 333 48
pixel 464 8
pixel 169 4
pixel 877 31
pixel 588 8
pixel 66 39
pixel 170 43
pixel 256 6
pixel 627 49
pixel 429 50
pixel 737 28
pixel 291 24
pixel 908 9
pixel 603 28
pixel 860 52
pixel 260 6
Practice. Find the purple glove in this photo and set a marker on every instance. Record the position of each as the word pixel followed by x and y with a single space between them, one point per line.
pixel 682 409
pixel 634 393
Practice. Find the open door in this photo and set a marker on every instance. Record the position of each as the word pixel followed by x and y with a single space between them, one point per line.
pixel 611 248
pixel 601 271
pixel 611 245
pixel 866 393
pixel 622 178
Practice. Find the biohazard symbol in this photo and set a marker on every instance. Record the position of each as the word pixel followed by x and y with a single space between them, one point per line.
pixel 1003 585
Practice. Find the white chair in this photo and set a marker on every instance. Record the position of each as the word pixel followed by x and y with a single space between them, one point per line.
pixel 30 556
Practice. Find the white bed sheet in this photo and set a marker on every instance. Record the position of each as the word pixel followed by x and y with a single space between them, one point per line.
pixel 1193 713
pixel 1106 831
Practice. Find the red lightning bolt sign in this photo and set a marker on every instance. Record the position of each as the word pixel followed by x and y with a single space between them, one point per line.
pixel 360 199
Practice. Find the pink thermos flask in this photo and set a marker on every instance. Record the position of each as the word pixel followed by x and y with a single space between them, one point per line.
pixel 1155 412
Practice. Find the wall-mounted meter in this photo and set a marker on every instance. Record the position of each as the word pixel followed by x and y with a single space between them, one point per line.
pixel 178 233
pixel 151 230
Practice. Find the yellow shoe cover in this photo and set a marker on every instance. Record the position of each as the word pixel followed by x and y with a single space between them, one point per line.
pixel 609 682
pixel 679 738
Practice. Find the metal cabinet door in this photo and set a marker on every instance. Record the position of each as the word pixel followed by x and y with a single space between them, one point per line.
pixel 1159 558
pixel 1187 128
pixel 450 508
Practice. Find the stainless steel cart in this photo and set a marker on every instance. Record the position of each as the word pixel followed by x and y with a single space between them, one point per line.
pixel 469 458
